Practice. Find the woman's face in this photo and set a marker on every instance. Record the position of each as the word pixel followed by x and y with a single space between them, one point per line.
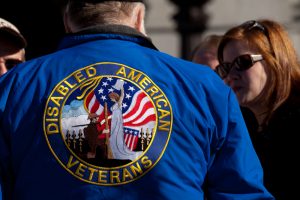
pixel 247 84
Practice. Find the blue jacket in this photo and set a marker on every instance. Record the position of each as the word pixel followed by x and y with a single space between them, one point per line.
pixel 108 116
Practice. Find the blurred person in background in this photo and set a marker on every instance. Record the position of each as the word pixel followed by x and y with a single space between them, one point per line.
pixel 12 50
pixel 258 61
pixel 206 51
pixel 12 46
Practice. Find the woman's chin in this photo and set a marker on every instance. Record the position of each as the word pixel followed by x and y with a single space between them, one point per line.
pixel 242 101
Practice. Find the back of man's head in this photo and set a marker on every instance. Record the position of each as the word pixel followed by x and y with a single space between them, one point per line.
pixel 82 14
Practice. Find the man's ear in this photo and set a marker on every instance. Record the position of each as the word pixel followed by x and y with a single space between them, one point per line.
pixel 66 20
pixel 139 23
pixel 66 23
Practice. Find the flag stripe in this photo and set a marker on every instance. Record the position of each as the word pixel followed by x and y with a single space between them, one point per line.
pixel 141 112
pixel 144 122
pixel 138 97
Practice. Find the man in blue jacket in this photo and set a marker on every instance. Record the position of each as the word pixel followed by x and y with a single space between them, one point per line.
pixel 108 116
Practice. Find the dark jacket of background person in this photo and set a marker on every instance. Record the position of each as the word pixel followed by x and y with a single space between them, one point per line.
pixel 187 136
pixel 277 147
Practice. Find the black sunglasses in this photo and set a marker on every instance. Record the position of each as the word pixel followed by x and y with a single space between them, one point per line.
pixel 240 63
pixel 252 24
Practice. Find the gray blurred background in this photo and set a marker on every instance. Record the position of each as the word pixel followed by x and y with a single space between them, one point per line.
pixel 216 16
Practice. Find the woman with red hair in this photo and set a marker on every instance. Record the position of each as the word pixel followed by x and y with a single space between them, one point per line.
pixel 258 61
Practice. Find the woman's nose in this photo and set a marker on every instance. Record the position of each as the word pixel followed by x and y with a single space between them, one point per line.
pixel 232 76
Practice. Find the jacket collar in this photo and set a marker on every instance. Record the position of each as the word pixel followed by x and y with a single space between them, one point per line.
pixel 100 32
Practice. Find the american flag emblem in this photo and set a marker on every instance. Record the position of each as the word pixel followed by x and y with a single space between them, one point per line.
pixel 107 123
pixel 137 110
pixel 131 138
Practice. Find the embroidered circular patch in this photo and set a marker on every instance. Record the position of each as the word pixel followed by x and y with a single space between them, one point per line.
pixel 107 123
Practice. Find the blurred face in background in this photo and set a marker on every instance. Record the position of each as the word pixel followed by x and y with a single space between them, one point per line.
pixel 207 57
pixel 10 55
pixel 247 84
